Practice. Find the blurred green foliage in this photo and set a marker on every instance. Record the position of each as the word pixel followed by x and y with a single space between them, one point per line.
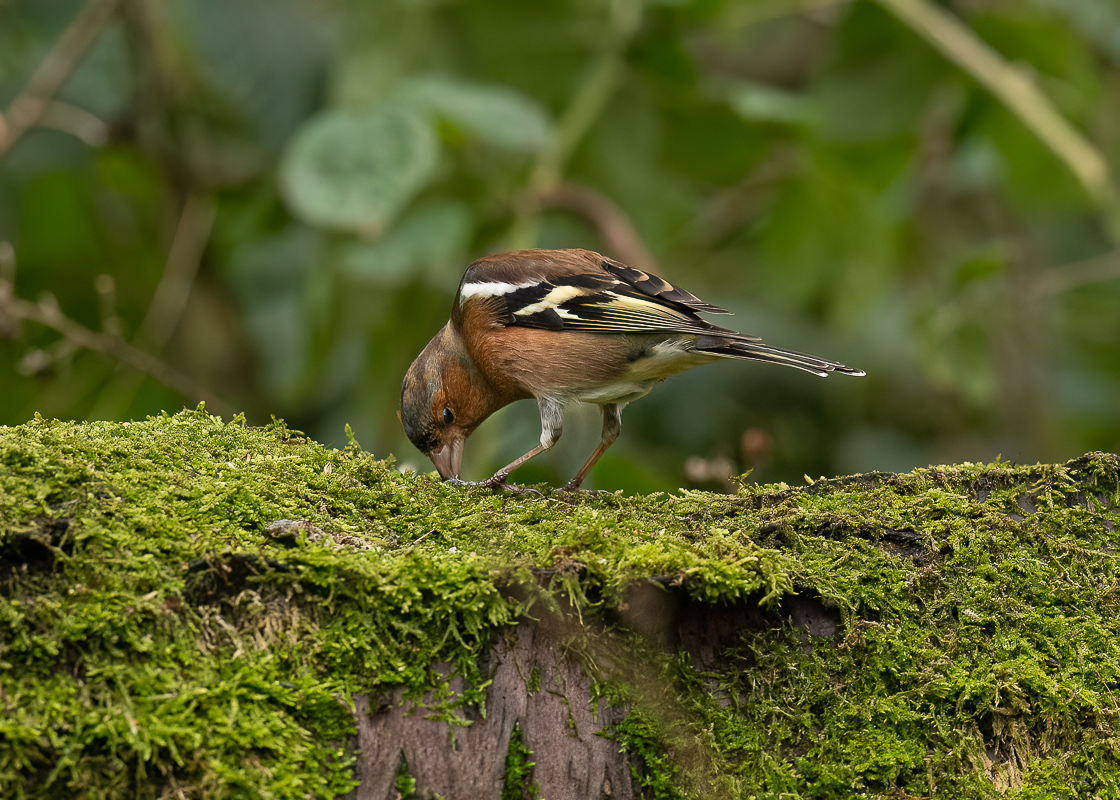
pixel 816 167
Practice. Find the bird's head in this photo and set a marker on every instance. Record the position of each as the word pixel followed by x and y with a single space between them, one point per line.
pixel 443 399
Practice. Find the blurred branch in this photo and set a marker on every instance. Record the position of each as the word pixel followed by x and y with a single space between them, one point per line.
pixel 614 227
pixel 79 123
pixel 30 105
pixel 742 15
pixel 34 105
pixel 730 209
pixel 183 260
pixel 165 311
pixel 1057 280
pixel 14 309
pixel 584 108
pixel 1015 88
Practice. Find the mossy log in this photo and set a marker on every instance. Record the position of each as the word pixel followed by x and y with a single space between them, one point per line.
pixel 192 608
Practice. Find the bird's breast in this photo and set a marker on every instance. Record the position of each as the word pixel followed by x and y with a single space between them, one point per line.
pixel 581 367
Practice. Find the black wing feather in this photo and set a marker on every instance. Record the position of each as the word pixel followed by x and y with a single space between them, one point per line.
pixel 654 286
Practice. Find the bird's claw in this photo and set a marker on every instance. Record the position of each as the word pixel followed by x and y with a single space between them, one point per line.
pixel 497 482
pixel 513 488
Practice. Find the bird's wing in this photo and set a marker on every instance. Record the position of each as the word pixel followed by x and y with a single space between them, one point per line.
pixel 579 290
pixel 583 291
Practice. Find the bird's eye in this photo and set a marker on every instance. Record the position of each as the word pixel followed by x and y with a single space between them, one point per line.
pixel 448 417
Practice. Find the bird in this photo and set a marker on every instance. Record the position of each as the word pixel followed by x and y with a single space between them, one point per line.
pixel 561 327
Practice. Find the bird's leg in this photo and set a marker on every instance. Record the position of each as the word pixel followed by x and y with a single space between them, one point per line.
pixel 552 425
pixel 612 427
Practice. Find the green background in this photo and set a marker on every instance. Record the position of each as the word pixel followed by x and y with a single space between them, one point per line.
pixel 822 169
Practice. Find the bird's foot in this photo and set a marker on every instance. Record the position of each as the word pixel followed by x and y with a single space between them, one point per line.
pixel 498 482
pixel 513 488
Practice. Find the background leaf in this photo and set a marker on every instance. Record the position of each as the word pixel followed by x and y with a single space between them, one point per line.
pixel 497 115
pixel 357 171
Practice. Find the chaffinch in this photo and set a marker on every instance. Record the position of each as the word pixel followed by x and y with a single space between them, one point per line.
pixel 561 326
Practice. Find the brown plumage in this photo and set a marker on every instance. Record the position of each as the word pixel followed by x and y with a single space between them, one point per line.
pixel 561 326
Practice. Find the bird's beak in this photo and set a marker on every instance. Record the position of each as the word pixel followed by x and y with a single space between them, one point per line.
pixel 448 459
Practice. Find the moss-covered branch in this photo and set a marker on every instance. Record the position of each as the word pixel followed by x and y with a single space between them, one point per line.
pixel 952 632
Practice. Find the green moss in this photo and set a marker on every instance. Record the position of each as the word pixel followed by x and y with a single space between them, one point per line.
pixel 405 784
pixel 519 770
pixel 654 770
pixel 156 637
pixel 997 637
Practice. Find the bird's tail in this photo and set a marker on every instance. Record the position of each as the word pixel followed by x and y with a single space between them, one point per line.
pixel 759 351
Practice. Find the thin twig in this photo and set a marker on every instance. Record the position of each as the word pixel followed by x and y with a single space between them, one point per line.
pixel 79 123
pixel 30 104
pixel 1017 90
pixel 48 315
pixel 35 105
pixel 183 260
pixel 615 228
pixel 169 301
pixel 1057 280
